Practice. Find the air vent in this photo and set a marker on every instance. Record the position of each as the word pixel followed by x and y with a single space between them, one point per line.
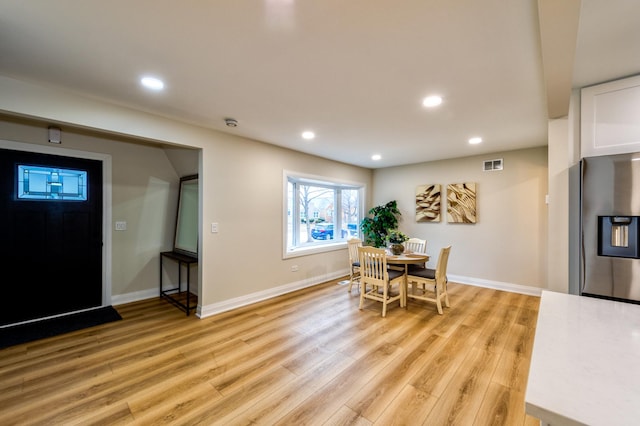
pixel 492 165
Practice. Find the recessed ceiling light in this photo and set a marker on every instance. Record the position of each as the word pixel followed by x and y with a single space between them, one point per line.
pixel 376 157
pixel 308 135
pixel 152 83
pixel 432 101
pixel 475 140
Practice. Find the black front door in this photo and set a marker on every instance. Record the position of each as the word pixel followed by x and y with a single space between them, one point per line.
pixel 52 248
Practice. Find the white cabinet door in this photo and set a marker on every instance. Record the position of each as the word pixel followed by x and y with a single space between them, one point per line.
pixel 610 118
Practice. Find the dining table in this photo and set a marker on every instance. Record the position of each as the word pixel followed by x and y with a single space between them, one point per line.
pixel 405 259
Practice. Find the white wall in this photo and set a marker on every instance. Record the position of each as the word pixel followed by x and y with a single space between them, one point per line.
pixel 245 198
pixel 241 188
pixel 558 246
pixel 508 244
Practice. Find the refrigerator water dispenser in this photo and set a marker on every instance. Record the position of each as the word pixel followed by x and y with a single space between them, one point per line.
pixel 618 236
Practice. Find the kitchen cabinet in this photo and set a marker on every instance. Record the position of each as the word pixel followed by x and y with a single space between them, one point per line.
pixel 610 118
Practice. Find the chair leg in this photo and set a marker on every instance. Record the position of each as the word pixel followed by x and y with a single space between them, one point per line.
pixel 354 278
pixel 385 298
pixel 438 303
pixel 446 295
pixel 351 276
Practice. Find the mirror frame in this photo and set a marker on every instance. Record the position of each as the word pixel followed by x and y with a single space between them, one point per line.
pixel 186 231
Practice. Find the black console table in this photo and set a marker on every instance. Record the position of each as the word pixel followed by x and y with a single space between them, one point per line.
pixel 174 294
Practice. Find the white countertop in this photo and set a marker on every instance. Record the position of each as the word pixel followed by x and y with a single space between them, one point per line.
pixel 585 367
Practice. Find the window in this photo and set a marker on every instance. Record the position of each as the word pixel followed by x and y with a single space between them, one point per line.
pixel 50 183
pixel 328 212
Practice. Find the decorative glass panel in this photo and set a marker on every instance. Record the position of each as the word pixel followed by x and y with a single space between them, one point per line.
pixel 50 183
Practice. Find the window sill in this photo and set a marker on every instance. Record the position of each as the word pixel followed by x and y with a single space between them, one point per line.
pixel 306 251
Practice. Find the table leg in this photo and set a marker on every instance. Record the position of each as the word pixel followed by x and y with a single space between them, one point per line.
pixel 405 285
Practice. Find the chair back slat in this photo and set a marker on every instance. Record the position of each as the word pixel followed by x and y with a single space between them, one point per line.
pixel 373 265
pixel 353 245
pixel 354 262
pixel 374 278
pixel 415 245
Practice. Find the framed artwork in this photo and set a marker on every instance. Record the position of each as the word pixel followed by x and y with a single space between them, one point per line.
pixel 428 203
pixel 461 202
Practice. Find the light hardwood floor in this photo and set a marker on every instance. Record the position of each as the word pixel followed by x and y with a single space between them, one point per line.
pixel 309 357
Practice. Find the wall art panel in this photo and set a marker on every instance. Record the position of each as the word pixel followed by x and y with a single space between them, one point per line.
pixel 428 203
pixel 461 202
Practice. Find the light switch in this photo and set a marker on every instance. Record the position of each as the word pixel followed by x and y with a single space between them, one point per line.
pixel 214 227
pixel 121 226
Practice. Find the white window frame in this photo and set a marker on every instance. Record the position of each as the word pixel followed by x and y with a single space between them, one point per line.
pixel 336 184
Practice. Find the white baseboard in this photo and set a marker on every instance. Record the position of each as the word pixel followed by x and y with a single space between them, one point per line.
pixel 498 285
pixel 120 299
pixel 227 305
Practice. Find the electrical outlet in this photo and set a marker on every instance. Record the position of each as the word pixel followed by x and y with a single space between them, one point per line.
pixel 214 228
pixel 121 226
pixel 294 268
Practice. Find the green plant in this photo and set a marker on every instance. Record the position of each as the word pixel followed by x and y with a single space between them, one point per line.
pixel 396 236
pixel 383 218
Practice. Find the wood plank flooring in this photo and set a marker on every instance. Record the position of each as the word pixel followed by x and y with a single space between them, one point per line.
pixel 305 358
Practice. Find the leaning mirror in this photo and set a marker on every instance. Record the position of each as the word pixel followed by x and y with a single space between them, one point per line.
pixel 186 237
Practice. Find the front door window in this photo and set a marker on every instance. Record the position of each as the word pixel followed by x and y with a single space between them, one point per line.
pixel 49 183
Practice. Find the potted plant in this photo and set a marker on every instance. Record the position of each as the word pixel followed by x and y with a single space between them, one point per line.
pixel 383 218
pixel 395 238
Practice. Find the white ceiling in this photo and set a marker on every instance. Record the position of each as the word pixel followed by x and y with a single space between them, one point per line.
pixel 354 72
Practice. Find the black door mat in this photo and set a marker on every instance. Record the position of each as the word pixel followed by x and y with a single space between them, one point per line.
pixel 29 332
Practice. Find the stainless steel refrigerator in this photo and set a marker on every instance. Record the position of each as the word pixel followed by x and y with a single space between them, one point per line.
pixel 609 227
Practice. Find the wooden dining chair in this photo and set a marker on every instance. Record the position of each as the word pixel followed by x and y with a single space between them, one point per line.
pixel 377 282
pixel 354 262
pixel 416 245
pixel 431 284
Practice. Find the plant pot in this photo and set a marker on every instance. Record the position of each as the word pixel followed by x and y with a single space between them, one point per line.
pixel 396 249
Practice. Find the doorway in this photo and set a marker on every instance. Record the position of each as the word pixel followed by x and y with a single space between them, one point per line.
pixel 52 242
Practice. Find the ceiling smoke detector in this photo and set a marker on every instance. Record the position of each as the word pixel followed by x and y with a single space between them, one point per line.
pixel 231 122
